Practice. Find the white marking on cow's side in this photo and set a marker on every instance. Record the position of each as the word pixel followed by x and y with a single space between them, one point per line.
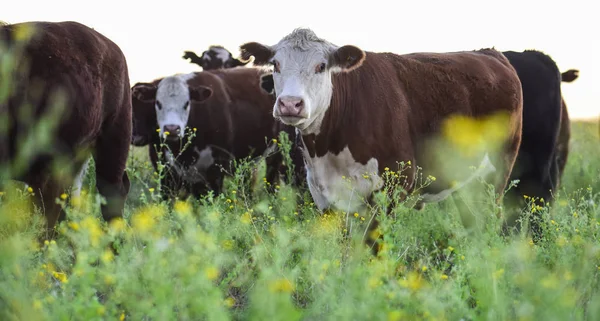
pixel 341 182
pixel 486 167
pixel 206 56
pixel 173 94
pixel 221 53
pixel 76 189
pixel 196 172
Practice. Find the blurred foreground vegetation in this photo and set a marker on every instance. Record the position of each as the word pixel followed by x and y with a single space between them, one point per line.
pixel 257 255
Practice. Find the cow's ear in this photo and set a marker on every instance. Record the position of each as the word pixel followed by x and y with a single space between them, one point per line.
pixel 267 84
pixel 144 92
pixel 261 53
pixel 200 93
pixel 347 58
pixel 237 62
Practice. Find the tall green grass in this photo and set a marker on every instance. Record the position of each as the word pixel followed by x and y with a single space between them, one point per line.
pixel 255 254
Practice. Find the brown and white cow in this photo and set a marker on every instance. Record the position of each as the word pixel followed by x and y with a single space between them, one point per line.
pixel 90 72
pixel 216 57
pixel 231 116
pixel 362 112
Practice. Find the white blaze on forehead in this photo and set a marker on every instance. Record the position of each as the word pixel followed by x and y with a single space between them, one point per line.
pixel 173 94
pixel 341 182
pixel 298 54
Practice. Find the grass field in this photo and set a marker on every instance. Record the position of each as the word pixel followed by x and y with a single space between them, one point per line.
pixel 255 255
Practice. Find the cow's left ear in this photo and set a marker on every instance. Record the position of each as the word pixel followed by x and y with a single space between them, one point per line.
pixel 200 93
pixel 347 58
pixel 145 92
pixel 262 54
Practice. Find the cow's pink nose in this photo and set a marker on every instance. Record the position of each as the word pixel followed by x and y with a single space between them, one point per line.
pixel 172 129
pixel 290 106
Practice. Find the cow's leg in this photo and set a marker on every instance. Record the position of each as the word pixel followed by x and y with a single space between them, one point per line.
pixel 46 191
pixel 110 156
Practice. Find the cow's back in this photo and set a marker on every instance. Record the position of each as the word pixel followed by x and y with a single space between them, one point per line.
pixel 81 63
pixel 251 110
pixel 400 102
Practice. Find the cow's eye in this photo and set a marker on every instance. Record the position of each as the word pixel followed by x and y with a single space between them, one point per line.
pixel 158 104
pixel 276 66
pixel 185 106
pixel 320 68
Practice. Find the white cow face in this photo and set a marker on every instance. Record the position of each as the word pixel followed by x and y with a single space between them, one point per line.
pixel 303 65
pixel 172 99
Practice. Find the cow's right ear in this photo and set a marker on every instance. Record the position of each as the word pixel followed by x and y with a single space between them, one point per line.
pixel 267 84
pixel 200 93
pixel 144 92
pixel 262 54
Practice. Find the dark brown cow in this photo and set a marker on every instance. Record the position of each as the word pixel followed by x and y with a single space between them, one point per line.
pixel 564 134
pixel 90 72
pixel 231 115
pixel 216 57
pixel 544 141
pixel 362 112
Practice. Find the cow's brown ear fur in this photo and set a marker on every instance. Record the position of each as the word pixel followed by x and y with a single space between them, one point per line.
pixel 200 93
pixel 348 58
pixel 144 92
pixel 262 54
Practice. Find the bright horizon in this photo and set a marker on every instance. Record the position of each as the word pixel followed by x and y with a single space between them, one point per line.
pixel 153 38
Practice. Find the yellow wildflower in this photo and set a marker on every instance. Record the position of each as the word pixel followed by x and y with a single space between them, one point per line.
pixel 444 277
pixel 281 285
pixel 414 281
pixel 62 277
pixel 117 225
pixel 151 190
pixel 395 315
pixel 158 130
pixel 229 302
pixel 211 273
pixel 424 269
pixel 122 316
pixel 386 169
pixel 195 129
pixel 182 208
pixel 63 196
pixel 107 256
pixel 274 140
pixel 74 226
pixel 355 214
pixel 246 218
pixel 30 190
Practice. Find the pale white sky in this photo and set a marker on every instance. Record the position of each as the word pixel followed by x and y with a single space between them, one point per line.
pixel 154 34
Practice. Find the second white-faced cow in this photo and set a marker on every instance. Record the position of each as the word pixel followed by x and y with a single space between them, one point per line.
pixel 216 57
pixel 360 113
pixel 227 110
pixel 71 76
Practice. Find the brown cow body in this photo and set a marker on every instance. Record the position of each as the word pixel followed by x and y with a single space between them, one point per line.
pixel 234 122
pixel 363 112
pixel 92 73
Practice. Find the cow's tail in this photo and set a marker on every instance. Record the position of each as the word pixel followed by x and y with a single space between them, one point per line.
pixel 569 75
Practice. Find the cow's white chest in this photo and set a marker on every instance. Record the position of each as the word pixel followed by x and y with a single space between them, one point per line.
pixel 340 182
pixel 196 172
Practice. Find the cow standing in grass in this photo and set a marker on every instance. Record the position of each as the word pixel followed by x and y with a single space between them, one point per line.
pixel 74 78
pixel 226 110
pixel 362 112
pixel 544 143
